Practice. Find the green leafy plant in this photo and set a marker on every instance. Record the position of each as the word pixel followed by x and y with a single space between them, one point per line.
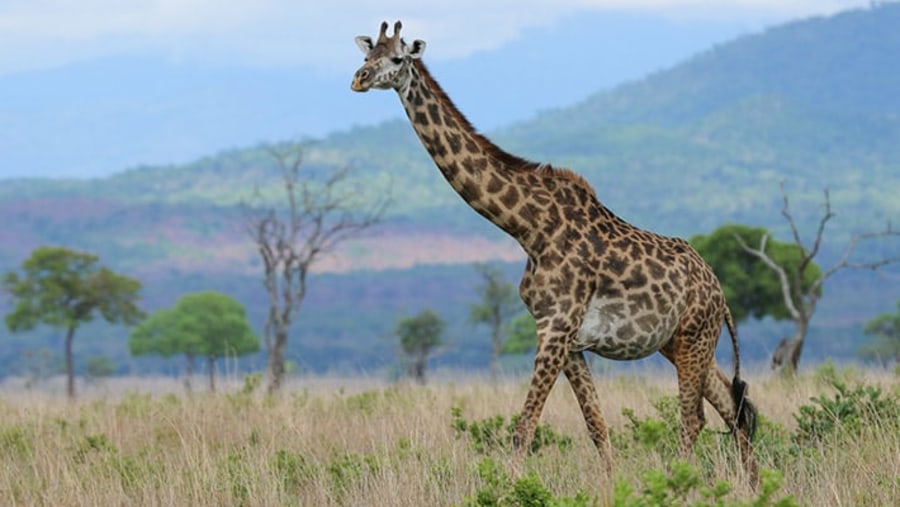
pixel 848 410
pixel 499 491
pixel 682 484
pixel 91 444
pixel 494 433
pixel 348 468
pixel 657 433
pixel 293 470
pixel 237 469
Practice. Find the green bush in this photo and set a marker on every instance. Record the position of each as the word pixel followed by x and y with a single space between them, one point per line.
pixel 682 486
pixel 348 468
pixel 494 433
pixel 499 491
pixel 92 444
pixel 293 470
pixel 662 434
pixel 848 411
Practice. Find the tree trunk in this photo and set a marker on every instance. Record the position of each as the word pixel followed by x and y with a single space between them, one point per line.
pixel 419 368
pixel 495 354
pixel 189 373
pixel 211 362
pixel 786 357
pixel 70 366
pixel 276 361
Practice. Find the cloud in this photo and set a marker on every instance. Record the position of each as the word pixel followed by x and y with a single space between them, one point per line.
pixel 38 34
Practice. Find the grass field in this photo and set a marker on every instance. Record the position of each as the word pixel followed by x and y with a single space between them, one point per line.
pixel 361 441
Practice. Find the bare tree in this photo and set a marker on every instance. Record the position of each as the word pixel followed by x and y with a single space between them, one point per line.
pixel 320 212
pixel 800 303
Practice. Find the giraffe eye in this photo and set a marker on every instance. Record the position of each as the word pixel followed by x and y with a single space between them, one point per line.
pixel 397 61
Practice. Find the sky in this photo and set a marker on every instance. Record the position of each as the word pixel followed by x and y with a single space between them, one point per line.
pixel 40 34
pixel 89 88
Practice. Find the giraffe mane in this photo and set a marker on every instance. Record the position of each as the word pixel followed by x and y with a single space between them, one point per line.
pixel 564 173
pixel 495 152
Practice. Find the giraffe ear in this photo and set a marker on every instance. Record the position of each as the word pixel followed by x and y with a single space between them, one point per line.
pixel 417 49
pixel 365 43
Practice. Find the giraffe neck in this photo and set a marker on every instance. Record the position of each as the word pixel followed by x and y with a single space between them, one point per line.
pixel 489 179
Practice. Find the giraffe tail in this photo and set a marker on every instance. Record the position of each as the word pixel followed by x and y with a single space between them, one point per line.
pixel 745 412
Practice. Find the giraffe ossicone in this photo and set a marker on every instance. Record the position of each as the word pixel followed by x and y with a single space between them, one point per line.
pixel 592 281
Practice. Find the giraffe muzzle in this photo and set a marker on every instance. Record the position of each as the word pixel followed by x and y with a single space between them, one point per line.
pixel 359 83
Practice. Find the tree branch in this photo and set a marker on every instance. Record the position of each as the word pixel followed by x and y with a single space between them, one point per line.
pixel 844 261
pixel 760 253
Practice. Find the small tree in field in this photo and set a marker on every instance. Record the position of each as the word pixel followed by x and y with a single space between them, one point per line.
pixel 419 336
pixel 499 302
pixel 522 335
pixel 319 212
pixel 884 332
pixel 204 324
pixel 65 288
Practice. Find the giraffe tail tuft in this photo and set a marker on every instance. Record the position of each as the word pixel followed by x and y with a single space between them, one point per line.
pixel 746 412
pixel 745 417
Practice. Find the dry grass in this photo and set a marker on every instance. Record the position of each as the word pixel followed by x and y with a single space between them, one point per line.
pixel 361 442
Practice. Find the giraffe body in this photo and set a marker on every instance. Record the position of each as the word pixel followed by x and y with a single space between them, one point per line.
pixel 592 281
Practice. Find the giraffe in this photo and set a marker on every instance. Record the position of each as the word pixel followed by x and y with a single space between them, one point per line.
pixel 592 281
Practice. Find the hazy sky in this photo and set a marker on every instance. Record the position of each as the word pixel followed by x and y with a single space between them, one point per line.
pixel 40 34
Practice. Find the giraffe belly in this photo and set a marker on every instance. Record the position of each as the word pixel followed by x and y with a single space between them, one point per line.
pixel 612 331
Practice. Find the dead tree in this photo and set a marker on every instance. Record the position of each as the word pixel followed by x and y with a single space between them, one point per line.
pixel 317 215
pixel 800 303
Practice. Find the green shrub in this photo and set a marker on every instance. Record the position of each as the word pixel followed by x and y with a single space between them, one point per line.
pixel 348 468
pixel 494 433
pixel 499 491
pixel 682 486
pixel 848 411
pixel 293 470
pixel 828 373
pixel 238 472
pixel 92 444
pixel 661 434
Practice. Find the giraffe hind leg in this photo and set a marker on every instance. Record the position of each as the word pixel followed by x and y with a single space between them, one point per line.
pixel 578 373
pixel 691 359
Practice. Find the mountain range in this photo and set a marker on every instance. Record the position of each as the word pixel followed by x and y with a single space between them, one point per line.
pixel 814 104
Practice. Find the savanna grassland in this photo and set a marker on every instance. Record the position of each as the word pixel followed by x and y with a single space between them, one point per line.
pixel 829 437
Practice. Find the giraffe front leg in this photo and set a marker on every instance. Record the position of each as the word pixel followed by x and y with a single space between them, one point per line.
pixel 579 375
pixel 548 362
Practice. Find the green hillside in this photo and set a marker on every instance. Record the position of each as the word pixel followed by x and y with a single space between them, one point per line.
pixel 815 104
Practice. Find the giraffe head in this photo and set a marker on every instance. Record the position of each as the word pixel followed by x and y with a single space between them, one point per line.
pixel 387 60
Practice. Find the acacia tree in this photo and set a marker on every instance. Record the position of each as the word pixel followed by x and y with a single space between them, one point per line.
pixel 65 288
pixel 499 302
pixel 751 288
pixel 206 324
pixel 419 336
pixel 320 211
pixel 884 332
pixel 161 334
pixel 799 300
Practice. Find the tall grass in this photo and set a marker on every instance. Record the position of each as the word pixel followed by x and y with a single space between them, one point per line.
pixel 329 441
